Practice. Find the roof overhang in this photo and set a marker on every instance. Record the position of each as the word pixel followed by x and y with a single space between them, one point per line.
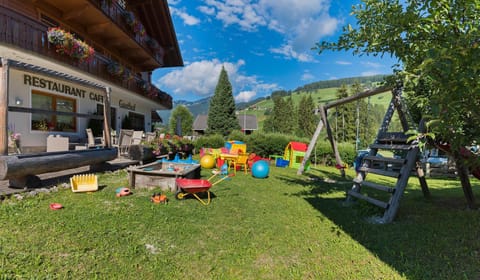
pixel 156 18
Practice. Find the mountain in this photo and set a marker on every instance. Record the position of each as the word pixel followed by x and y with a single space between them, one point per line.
pixel 366 80
pixel 197 107
pixel 200 107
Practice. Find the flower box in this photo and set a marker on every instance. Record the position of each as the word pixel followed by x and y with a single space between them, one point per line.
pixel 65 43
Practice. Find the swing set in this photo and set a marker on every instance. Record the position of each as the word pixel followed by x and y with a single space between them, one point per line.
pixel 390 141
pixel 393 141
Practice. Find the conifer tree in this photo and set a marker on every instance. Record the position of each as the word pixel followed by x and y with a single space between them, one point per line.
pixel 307 120
pixel 221 113
pixel 276 121
pixel 272 123
pixel 289 116
pixel 345 118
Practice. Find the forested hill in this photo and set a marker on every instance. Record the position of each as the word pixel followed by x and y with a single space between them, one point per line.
pixel 201 106
pixel 337 83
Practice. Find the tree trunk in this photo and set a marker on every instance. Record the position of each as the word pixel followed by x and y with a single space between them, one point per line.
pixel 463 174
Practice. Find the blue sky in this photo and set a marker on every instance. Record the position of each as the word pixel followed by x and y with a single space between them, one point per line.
pixel 264 45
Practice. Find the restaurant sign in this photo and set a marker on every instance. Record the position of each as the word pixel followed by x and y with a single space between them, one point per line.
pixel 126 105
pixel 59 87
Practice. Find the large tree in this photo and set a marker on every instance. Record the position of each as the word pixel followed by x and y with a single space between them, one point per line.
pixel 437 44
pixel 181 119
pixel 306 118
pixel 345 115
pixel 290 117
pixel 221 113
pixel 282 119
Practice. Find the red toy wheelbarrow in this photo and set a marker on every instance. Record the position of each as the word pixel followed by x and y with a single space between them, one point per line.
pixel 195 186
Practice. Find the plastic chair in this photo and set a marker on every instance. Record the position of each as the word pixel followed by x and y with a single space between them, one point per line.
pixel 240 161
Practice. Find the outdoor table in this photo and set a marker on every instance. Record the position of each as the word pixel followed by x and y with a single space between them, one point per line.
pixel 228 158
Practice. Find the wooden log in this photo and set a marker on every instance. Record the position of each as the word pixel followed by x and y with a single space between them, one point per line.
pixel 21 166
pixel 357 96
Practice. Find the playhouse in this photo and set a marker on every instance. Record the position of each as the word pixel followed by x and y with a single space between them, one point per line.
pixel 294 153
pixel 236 147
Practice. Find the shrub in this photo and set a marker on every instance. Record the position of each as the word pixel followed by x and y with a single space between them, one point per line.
pixel 324 155
pixel 267 144
pixel 210 141
pixel 237 135
pixel 347 153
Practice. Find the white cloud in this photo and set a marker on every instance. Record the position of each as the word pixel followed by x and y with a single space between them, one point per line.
pixel 370 73
pixel 342 62
pixel 200 79
pixel 207 10
pixel 289 52
pixel 372 64
pixel 187 19
pixel 302 23
pixel 245 96
pixel 307 76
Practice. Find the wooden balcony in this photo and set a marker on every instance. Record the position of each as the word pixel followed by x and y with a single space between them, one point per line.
pixel 105 25
pixel 29 35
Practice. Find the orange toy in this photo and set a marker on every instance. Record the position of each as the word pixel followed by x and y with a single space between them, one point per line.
pixel 159 198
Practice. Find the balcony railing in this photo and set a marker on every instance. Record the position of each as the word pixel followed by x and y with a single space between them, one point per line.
pixel 24 33
pixel 117 14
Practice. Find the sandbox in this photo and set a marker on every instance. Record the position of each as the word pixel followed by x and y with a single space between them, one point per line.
pixel 161 174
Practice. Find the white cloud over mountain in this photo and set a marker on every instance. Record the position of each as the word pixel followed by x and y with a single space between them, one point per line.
pixel 200 79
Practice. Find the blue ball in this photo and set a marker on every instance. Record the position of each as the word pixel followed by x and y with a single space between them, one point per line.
pixel 260 169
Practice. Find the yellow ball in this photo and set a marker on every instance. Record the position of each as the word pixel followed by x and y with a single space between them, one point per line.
pixel 207 161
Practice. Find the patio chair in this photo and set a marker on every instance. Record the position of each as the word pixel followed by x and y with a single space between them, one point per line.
pixel 150 136
pixel 94 142
pixel 124 142
pixel 137 137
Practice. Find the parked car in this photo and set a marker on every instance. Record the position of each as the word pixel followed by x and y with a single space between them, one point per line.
pixel 437 161
pixel 359 158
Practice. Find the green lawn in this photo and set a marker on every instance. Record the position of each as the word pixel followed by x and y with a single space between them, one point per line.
pixel 282 227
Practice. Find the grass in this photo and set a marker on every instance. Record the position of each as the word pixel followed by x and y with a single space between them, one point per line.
pixel 282 227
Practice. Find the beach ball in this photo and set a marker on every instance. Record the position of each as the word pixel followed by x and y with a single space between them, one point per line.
pixel 260 169
pixel 207 161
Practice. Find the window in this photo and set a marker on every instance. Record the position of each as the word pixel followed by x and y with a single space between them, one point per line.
pixel 45 101
pixel 137 121
pixel 113 115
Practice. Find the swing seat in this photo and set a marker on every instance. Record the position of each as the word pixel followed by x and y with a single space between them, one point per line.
pixel 339 166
